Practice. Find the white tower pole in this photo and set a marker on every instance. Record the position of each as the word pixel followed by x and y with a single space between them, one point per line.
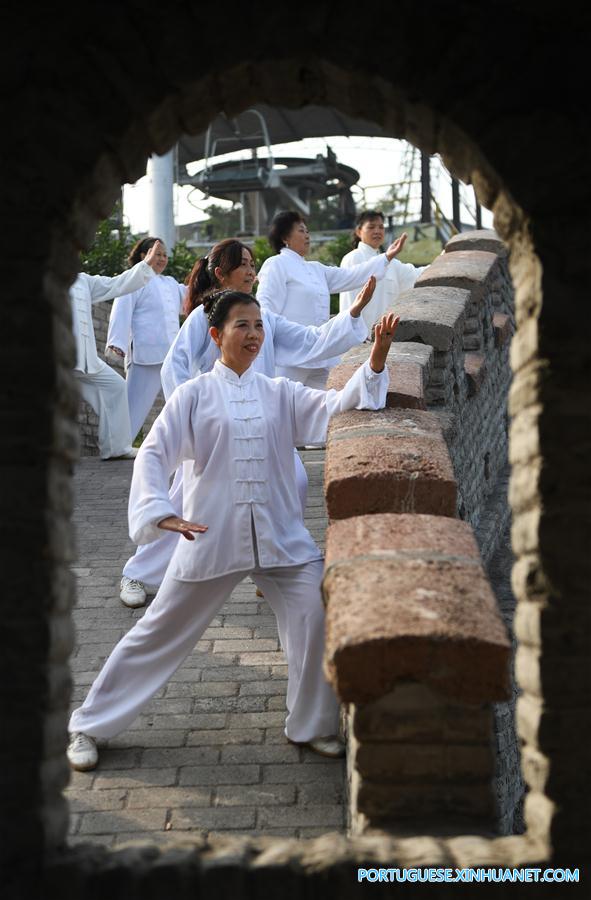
pixel 160 173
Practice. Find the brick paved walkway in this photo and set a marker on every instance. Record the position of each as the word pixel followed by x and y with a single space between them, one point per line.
pixel 208 754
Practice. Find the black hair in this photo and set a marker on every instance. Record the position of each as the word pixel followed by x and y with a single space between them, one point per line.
pixel 367 216
pixel 225 255
pixel 217 306
pixel 281 227
pixel 140 248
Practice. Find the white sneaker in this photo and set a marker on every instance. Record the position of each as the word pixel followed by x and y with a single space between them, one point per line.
pixel 82 752
pixel 330 746
pixel 132 593
pixel 131 454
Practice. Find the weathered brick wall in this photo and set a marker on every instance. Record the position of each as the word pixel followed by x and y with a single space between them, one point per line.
pixel 87 418
pixel 460 313
pixel 83 109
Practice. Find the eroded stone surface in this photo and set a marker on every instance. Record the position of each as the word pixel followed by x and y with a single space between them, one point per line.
pixel 388 461
pixel 399 608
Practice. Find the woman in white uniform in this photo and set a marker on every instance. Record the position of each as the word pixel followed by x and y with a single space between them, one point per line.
pixel 142 327
pixel 230 264
pixel 234 429
pixel 300 289
pixel 368 238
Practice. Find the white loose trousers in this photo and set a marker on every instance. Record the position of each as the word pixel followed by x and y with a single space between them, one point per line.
pixel 106 392
pixel 143 385
pixel 149 654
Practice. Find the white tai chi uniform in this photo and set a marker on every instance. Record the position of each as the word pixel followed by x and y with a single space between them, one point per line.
pixel 144 324
pixel 399 277
pixel 235 437
pixel 102 387
pixel 300 290
pixel 193 351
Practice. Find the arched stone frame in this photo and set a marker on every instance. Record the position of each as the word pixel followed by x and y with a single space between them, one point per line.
pixel 73 225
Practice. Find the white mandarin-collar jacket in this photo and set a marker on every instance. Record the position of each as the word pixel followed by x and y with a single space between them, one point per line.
pixel 145 323
pixel 236 437
pixel 399 277
pixel 300 290
pixel 89 289
pixel 286 344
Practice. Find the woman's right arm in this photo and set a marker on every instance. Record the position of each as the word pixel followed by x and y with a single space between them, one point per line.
pixel 347 298
pixel 272 287
pixel 184 355
pixel 169 441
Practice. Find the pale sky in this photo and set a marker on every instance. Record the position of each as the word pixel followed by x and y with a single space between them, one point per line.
pixel 379 161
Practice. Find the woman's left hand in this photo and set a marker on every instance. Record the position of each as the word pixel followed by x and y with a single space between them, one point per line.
pixel 363 297
pixel 384 332
pixel 396 246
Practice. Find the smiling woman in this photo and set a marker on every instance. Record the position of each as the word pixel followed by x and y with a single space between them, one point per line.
pixel 239 429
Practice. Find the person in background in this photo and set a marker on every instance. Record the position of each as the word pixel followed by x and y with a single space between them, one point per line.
pixel 368 239
pixel 102 387
pixel 142 326
pixel 242 516
pixel 299 289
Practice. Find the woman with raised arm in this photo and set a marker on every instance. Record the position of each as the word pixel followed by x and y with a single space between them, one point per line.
pixel 230 264
pixel 241 517
pixel 368 239
pixel 300 289
pixel 142 327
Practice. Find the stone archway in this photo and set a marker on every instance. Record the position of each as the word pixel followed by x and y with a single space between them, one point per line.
pixel 71 202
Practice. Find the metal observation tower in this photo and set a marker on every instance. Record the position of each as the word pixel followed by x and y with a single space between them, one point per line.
pixel 264 184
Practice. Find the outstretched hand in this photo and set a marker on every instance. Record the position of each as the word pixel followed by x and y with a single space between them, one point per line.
pixel 384 332
pixel 151 255
pixel 396 246
pixel 175 523
pixel 363 297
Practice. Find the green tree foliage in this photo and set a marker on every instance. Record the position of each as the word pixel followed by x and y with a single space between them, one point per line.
pixel 221 223
pixel 108 254
pixel 180 262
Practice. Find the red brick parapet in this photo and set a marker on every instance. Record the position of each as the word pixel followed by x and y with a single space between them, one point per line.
pixel 407 599
pixel 393 460
pixel 409 366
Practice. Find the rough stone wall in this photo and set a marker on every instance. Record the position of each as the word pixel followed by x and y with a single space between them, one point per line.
pixel 462 310
pixel 87 418
pixel 83 108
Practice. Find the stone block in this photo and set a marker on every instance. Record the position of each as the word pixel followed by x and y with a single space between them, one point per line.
pixel 387 461
pixel 480 239
pixel 407 598
pixel 501 328
pixel 464 269
pixel 475 369
pixel 431 315
pixel 408 368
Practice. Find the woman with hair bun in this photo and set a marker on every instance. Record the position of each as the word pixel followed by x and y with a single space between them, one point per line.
pixel 230 265
pixel 241 517
pixel 368 238
pixel 300 289
pixel 142 327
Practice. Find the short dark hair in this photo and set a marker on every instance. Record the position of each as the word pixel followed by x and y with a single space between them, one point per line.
pixel 368 215
pixel 218 305
pixel 140 248
pixel 281 227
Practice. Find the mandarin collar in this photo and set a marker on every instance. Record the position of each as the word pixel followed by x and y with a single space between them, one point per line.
pixel 369 251
pixel 292 255
pixel 230 375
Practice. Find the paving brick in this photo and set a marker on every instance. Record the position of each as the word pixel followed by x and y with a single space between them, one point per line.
pixel 126 820
pixel 320 816
pixel 258 754
pixel 255 795
pixel 137 778
pixel 220 774
pixel 220 818
pixel 278 774
pixel 168 798
pixel 181 756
